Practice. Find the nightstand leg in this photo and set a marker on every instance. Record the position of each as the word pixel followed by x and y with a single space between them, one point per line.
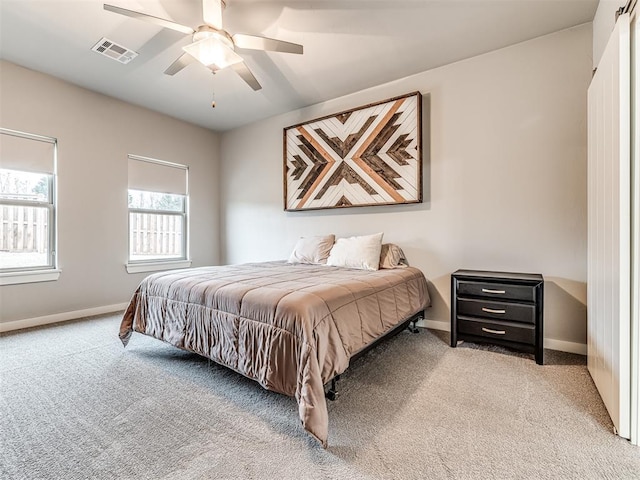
pixel 453 335
pixel 540 356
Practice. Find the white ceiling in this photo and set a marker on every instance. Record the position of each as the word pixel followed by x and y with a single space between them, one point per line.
pixel 348 46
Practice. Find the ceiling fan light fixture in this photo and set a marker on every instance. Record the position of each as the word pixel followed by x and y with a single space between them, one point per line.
pixel 213 52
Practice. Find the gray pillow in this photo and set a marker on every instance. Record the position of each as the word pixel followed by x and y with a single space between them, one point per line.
pixel 392 256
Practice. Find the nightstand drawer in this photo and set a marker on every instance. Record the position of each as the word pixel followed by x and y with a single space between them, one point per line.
pixel 497 291
pixel 516 312
pixel 510 331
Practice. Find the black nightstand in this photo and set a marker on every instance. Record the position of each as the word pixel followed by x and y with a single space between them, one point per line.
pixel 499 308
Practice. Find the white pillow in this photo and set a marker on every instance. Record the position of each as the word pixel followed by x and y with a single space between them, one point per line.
pixel 357 252
pixel 313 250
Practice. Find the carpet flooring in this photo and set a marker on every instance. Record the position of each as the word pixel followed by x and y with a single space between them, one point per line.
pixel 74 404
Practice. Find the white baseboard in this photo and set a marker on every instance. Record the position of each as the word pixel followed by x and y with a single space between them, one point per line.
pixel 60 317
pixel 435 325
pixel 550 343
pixel 563 346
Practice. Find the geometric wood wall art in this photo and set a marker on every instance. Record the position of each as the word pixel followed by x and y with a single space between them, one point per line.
pixel 371 155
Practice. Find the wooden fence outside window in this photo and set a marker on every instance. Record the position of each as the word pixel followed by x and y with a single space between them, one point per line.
pixel 155 234
pixel 24 229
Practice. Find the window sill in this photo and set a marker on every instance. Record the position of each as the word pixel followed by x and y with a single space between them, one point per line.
pixel 156 266
pixel 33 276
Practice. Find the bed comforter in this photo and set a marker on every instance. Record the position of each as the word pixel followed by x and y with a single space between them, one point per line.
pixel 289 327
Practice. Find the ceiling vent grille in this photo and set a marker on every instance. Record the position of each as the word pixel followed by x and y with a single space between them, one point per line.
pixel 114 51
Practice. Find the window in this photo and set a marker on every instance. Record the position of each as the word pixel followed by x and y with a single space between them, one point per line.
pixel 157 214
pixel 27 208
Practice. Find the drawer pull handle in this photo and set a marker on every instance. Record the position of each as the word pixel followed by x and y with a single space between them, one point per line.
pixel 497 332
pixel 491 310
pixel 488 290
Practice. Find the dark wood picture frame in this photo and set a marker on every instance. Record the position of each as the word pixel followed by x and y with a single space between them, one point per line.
pixel 366 156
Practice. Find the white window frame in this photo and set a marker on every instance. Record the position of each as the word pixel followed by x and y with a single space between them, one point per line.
pixel 49 272
pixel 151 265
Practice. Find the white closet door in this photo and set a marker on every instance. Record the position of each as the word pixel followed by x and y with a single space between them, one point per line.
pixel 635 226
pixel 609 228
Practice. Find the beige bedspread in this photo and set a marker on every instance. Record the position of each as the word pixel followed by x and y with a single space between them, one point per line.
pixel 289 327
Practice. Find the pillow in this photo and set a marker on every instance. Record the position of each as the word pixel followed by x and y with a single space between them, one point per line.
pixel 357 252
pixel 313 250
pixel 392 256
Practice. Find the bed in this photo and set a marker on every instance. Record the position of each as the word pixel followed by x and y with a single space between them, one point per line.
pixel 291 327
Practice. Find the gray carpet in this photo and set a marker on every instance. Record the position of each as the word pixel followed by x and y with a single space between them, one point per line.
pixel 75 405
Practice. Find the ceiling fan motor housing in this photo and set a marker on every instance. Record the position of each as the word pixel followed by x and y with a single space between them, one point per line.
pixel 207 31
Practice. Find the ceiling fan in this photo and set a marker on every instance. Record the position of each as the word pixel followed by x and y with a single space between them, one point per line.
pixel 212 45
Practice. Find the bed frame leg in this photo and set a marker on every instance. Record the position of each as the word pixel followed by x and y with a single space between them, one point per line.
pixel 332 393
pixel 412 325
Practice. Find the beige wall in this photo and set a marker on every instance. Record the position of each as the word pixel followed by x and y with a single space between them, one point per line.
pixel 505 177
pixel 95 133
pixel 603 23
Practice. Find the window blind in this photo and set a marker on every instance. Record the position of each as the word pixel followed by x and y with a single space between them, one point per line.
pixel 157 176
pixel 26 152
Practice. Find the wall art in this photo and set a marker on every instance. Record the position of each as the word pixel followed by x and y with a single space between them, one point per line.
pixel 371 155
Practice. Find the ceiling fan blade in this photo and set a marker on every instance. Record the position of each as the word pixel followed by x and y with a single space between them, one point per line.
pixel 254 42
pixel 212 12
pixel 182 61
pixel 150 18
pixel 244 72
